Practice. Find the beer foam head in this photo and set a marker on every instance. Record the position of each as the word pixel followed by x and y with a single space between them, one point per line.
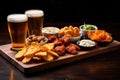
pixel 17 18
pixel 34 13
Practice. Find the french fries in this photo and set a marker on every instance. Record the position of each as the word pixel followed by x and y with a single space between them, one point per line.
pixel 37 52
pixel 41 54
pixel 49 57
pixel 26 59
pixel 36 58
pixel 50 46
pixel 21 53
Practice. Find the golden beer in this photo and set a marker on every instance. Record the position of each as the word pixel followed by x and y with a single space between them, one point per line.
pixel 17 27
pixel 35 21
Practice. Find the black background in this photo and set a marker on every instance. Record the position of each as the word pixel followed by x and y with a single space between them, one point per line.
pixel 65 10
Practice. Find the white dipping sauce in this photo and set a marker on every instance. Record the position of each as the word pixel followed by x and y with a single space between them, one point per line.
pixel 87 43
pixel 50 30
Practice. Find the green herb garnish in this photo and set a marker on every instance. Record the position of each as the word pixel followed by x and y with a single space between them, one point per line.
pixel 88 27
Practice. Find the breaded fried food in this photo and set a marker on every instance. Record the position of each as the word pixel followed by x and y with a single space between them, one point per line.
pixel 69 31
pixel 58 42
pixel 76 31
pixel 65 40
pixel 100 36
pixel 72 48
pixel 74 45
pixel 60 50
pixel 52 38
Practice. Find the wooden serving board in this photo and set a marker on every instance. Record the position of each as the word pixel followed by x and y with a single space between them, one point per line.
pixel 33 67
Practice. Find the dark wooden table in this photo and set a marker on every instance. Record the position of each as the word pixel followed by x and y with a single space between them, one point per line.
pixel 100 67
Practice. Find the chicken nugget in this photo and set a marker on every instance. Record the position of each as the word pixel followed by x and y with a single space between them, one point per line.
pixel 76 31
pixel 68 32
pixel 70 27
pixel 61 33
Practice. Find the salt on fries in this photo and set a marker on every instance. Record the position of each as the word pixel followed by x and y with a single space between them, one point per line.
pixel 37 52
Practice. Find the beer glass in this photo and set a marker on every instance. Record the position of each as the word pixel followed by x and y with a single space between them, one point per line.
pixel 17 27
pixel 35 21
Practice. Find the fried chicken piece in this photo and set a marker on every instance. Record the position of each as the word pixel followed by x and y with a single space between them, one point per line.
pixel 76 46
pixel 72 48
pixel 52 38
pixel 65 40
pixel 57 42
pixel 60 50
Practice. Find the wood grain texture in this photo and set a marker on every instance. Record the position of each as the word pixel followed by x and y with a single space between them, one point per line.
pixel 33 67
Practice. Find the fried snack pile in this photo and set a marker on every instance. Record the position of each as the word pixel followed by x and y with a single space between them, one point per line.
pixel 100 36
pixel 69 31
pixel 37 52
pixel 63 45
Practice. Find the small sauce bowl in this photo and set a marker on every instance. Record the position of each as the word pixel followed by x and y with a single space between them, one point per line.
pixel 86 28
pixel 47 31
pixel 86 44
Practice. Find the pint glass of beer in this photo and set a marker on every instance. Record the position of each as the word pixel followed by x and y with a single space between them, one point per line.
pixel 17 27
pixel 35 21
